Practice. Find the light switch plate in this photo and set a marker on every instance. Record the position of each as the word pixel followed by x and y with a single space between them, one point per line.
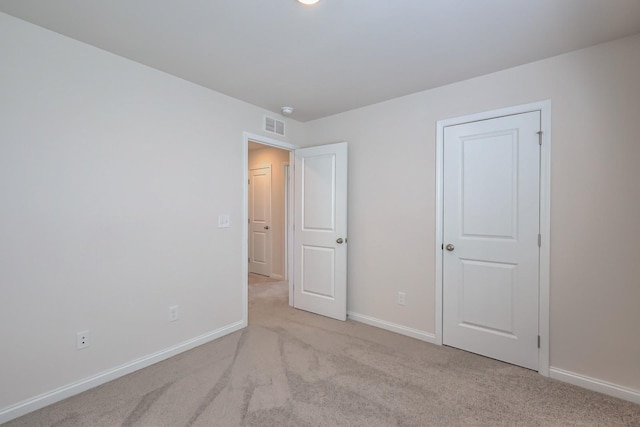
pixel 223 221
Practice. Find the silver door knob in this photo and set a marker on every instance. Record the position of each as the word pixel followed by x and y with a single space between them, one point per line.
pixel 266 227
pixel 340 241
pixel 450 247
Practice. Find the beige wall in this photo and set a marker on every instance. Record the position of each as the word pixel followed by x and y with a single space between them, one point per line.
pixel 112 177
pixel 277 158
pixel 595 200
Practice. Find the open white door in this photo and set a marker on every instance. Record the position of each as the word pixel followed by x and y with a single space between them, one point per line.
pixel 320 230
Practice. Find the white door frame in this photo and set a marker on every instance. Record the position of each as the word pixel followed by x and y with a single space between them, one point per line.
pixel 246 137
pixel 287 189
pixel 545 214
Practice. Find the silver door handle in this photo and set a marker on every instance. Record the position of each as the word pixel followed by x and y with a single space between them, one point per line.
pixel 266 227
pixel 340 241
pixel 450 247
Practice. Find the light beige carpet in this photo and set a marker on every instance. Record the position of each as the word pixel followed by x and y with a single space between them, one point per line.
pixel 292 368
pixel 259 278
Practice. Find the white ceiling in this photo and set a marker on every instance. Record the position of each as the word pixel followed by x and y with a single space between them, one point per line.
pixel 336 55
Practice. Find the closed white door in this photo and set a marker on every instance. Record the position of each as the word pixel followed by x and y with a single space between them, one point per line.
pixel 260 221
pixel 491 247
pixel 320 230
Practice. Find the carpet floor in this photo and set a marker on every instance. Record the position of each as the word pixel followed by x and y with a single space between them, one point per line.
pixel 293 368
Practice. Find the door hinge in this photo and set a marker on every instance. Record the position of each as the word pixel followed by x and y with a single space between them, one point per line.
pixel 539 240
pixel 539 137
pixel 538 341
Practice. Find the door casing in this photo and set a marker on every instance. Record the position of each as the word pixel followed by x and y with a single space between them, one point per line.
pixel 545 214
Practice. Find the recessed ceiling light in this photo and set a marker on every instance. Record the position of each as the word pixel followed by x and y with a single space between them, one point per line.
pixel 308 1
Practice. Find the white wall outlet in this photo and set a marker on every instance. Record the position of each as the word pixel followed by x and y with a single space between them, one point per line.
pixel 173 313
pixel 401 298
pixel 82 340
pixel 223 221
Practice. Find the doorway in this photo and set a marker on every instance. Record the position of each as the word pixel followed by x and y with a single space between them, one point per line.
pixel 318 264
pixel 255 142
pixel 267 204
pixel 484 298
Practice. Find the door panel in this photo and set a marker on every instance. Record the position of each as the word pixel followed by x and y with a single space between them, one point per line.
pixel 259 243
pixel 492 283
pixel 318 271
pixel 318 204
pixel 491 217
pixel 260 221
pixel 489 165
pixel 320 264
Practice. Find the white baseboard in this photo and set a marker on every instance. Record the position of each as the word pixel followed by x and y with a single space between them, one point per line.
pixel 393 327
pixel 53 396
pixel 595 385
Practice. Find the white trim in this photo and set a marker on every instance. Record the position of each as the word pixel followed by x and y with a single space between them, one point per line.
pixel 439 226
pixel 265 140
pixel 545 215
pixel 14 411
pixel 393 327
pixel 246 137
pixel 285 174
pixel 290 223
pixel 245 228
pixel 595 385
pixel 286 220
pixel 544 328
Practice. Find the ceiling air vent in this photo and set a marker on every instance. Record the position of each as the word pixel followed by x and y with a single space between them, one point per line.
pixel 274 126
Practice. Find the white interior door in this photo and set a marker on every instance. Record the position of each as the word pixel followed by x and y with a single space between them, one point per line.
pixel 491 227
pixel 260 221
pixel 320 230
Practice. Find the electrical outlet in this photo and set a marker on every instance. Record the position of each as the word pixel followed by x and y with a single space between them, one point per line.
pixel 82 340
pixel 223 221
pixel 401 298
pixel 173 313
